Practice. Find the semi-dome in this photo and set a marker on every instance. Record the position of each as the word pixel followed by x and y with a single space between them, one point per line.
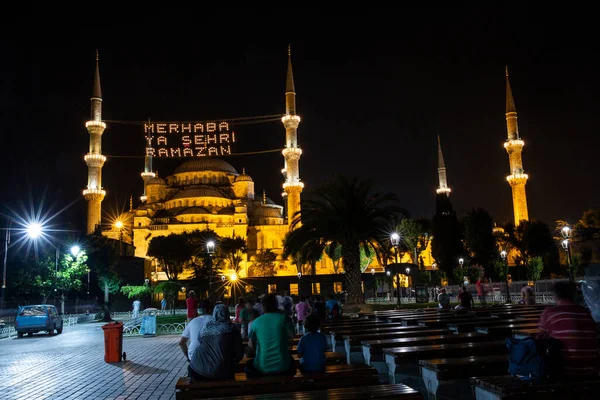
pixel 194 210
pixel 156 181
pixel 205 164
pixel 199 191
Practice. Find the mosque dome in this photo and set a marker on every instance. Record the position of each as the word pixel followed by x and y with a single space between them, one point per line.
pixel 199 191
pixel 156 181
pixel 269 212
pixel 243 177
pixel 205 164
pixel 194 210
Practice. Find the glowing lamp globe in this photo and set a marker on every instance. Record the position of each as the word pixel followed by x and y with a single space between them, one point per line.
pixel 34 230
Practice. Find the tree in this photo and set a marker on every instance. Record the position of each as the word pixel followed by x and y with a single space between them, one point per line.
pixel 346 213
pixel 136 292
pixel 102 259
pixel 535 239
pixel 446 245
pixel 588 227
pixel 501 269
pixel 197 240
pixel 69 275
pixel 264 264
pixel 169 290
pixel 415 235
pixel 535 268
pixel 479 238
pixel 308 255
pixel 172 253
pixel 231 250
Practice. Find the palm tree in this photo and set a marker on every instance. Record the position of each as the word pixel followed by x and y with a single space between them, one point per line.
pixel 345 213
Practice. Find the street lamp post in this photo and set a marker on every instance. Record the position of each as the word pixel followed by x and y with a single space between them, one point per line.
pixel 434 268
pixel 210 250
pixel 6 243
pixel 395 240
pixel 566 232
pixel 503 254
pixel 408 281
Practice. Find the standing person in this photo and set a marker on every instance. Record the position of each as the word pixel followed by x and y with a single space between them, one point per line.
pixel 136 308
pixel 480 286
pixel 465 300
pixel 288 304
pixel 258 306
pixel 219 349
pixel 190 338
pixel 205 306
pixel 319 308
pixel 238 308
pixel 247 314
pixel 312 346
pixel 443 300
pixel 163 304
pixel 527 295
pixel 302 311
pixel 192 305
pixel 575 328
pixel 269 337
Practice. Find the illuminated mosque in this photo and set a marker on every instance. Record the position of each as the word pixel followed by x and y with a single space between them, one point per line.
pixel 209 193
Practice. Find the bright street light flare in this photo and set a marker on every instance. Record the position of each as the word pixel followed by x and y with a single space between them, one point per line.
pixel 34 230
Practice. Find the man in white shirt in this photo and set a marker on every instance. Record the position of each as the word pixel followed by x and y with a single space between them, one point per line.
pixel 191 333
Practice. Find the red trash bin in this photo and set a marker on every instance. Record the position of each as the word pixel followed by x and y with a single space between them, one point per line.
pixel 113 341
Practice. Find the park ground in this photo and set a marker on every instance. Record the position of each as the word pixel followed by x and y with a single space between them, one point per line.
pixel 71 366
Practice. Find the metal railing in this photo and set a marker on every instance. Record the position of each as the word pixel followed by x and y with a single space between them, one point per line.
pixel 161 329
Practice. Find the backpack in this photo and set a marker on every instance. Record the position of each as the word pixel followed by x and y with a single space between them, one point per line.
pixel 335 311
pixel 534 359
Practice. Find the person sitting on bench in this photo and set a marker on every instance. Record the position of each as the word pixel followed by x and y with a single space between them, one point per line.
pixel 269 338
pixel 443 300
pixel 574 327
pixel 312 346
pixel 465 299
pixel 219 350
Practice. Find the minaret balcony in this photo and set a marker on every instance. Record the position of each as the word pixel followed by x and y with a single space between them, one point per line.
pixel 143 199
pixel 94 160
pixel 92 192
pixel 292 153
pixel 516 179
pixel 514 143
pixel 148 175
pixel 443 190
pixel 289 117
pixel 95 124
pixel 297 184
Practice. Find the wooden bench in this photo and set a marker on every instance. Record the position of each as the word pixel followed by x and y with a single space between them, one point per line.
pixel 397 356
pixel 508 387
pixel 464 327
pixel 339 335
pixel 505 329
pixel 398 391
pixel 515 314
pixel 335 376
pixel 454 373
pixel 414 319
pixel 373 350
pixel 330 359
pixel 443 322
pixel 354 342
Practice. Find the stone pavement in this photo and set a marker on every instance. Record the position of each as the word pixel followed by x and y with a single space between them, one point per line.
pixel 71 366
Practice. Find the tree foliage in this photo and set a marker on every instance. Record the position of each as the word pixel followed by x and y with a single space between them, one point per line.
pixel 172 253
pixel 169 290
pixel 230 253
pixel 71 271
pixel 346 213
pixel 446 245
pixel 534 268
pixel 501 268
pixel 415 235
pixel 136 292
pixel 264 265
pixel 479 239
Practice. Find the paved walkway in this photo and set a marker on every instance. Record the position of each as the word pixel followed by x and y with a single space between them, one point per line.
pixel 71 366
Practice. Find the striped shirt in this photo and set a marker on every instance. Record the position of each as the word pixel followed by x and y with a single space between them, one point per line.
pixel 576 330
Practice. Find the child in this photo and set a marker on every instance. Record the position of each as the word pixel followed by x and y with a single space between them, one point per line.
pixel 312 346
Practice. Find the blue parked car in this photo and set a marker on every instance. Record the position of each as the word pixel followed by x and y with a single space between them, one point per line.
pixel 33 319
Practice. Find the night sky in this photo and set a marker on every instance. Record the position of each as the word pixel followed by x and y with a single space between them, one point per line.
pixel 373 91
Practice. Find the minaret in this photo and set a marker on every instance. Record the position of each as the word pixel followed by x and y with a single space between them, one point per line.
pixel 148 173
pixel 442 180
pixel 514 146
pixel 292 152
pixel 94 193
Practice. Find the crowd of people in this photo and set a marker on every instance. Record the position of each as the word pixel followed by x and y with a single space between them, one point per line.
pixel 212 340
pixel 466 300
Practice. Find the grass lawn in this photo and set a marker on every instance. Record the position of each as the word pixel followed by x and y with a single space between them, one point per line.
pixel 170 319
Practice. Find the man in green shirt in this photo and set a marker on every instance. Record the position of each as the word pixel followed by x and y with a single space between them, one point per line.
pixel 269 338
